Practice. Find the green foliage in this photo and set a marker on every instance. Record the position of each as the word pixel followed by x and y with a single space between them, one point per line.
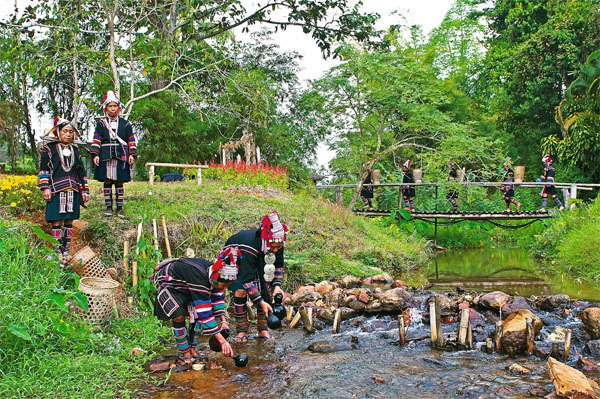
pixel 571 242
pixel 47 351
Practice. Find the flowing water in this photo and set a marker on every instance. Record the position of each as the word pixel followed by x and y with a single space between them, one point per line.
pixel 367 362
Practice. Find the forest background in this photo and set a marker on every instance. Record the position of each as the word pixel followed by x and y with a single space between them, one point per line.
pixel 498 76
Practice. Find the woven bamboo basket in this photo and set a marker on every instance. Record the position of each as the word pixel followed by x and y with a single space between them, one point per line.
pixel 87 264
pixel 519 174
pixel 101 294
pixel 418 175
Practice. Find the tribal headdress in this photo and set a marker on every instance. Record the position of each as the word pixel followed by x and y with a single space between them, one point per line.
pixel 546 159
pixel 59 123
pixel 225 268
pixel 110 97
pixel 272 230
pixel 407 164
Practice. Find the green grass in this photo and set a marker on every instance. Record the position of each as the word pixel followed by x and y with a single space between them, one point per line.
pixel 46 351
pixel 571 242
pixel 325 241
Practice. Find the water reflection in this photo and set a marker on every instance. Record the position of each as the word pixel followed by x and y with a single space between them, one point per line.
pixel 511 270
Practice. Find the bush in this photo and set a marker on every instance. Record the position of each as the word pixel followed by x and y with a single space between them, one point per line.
pixel 46 350
pixel 20 194
pixel 571 241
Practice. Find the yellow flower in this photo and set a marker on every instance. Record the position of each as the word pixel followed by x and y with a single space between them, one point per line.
pixel 13 204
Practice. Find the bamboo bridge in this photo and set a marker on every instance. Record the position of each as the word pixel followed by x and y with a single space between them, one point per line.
pixel 437 216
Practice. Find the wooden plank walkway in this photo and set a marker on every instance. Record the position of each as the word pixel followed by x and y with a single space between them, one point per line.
pixel 465 215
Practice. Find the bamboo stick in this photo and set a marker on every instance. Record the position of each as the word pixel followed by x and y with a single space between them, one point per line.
pixel 489 345
pixel 154 234
pixel 498 337
pixel 401 330
pixel 134 264
pixel 470 337
pixel 289 313
pixel 555 352
pixel 166 234
pixel 126 258
pixel 307 320
pixel 568 334
pixel 463 328
pixel 433 331
pixel 337 321
pixel 529 336
pixel 438 321
pixel 295 320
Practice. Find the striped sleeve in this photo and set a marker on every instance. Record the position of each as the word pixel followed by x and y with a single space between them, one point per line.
pixel 97 141
pixel 217 299
pixel 44 175
pixel 131 140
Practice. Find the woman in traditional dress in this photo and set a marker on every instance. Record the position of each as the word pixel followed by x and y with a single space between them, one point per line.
pixel 114 150
pixel 261 272
pixel 408 192
pixel 508 189
pixel 196 288
pixel 548 177
pixel 63 182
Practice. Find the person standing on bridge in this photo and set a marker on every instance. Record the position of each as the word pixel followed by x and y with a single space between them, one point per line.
pixel 452 194
pixel 114 150
pixel 366 194
pixel 508 189
pixel 548 177
pixel 261 273
pixel 408 192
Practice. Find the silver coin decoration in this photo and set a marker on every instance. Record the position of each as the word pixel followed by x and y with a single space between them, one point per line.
pixel 270 258
pixel 66 152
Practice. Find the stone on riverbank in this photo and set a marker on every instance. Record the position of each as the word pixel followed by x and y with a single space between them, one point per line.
pixel 569 382
pixel 395 299
pixel 328 347
pixel 588 366
pixel 514 328
pixel 552 302
pixel 383 280
pixel 304 296
pixel 335 297
pixel 520 303
pixel 349 281
pixel 592 349
pixel 591 319
pixel 493 300
pixel 325 287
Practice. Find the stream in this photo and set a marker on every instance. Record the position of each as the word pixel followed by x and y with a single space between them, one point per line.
pixel 365 360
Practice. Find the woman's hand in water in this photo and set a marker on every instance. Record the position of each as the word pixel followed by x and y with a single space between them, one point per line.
pixel 226 349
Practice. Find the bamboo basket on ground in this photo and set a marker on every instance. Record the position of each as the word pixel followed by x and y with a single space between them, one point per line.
pixel 101 294
pixel 87 264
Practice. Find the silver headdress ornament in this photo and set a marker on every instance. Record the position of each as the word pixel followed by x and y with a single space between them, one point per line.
pixel 230 271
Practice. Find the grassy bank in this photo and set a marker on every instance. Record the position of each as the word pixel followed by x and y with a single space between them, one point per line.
pixel 571 242
pixel 46 351
pixel 325 241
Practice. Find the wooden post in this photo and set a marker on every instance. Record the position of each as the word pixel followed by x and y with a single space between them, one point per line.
pixel 432 325
pixel 154 234
pixel 498 337
pixel 401 330
pixel 568 334
pixel 337 321
pixel 463 329
pixel 151 175
pixel 306 314
pixel 126 258
pixel 555 352
pixel 573 196
pixel 489 346
pixel 199 176
pixel 134 264
pixel 295 320
pixel 166 234
pixel 289 313
pixel 438 321
pixel 470 336
pixel 529 336
pixel 339 196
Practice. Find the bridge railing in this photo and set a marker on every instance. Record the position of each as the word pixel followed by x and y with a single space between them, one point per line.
pixel 569 189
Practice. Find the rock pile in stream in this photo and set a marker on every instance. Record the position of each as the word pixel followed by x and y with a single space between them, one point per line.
pixel 382 294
